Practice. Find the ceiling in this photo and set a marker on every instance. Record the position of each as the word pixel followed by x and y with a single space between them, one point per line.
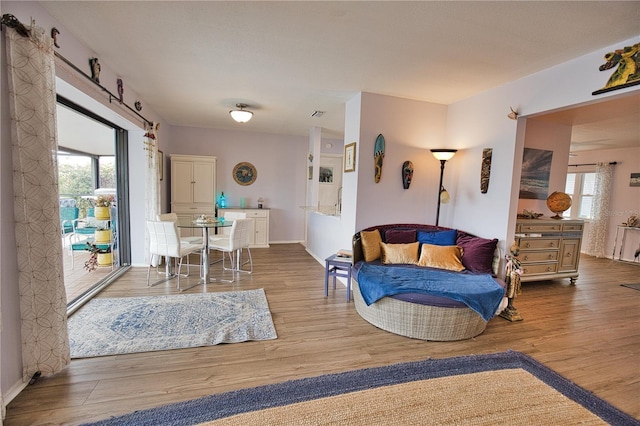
pixel 191 62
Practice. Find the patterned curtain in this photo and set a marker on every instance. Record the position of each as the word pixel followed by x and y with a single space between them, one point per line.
pixel 152 176
pixel 43 302
pixel 600 210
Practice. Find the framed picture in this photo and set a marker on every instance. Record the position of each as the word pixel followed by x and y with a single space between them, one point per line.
pixel 310 172
pixel 161 164
pixel 635 179
pixel 326 174
pixel 350 157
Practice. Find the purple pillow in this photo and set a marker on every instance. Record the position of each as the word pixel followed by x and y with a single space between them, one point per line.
pixel 400 236
pixel 438 238
pixel 477 255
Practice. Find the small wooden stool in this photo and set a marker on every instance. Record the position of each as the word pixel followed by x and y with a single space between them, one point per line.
pixel 337 267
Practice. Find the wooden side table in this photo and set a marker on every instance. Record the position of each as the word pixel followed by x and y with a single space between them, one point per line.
pixel 337 267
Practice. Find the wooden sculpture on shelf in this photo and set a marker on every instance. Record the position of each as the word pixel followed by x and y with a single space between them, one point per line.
pixel 512 278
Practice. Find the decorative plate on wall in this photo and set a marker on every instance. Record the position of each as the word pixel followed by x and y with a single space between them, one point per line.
pixel 244 173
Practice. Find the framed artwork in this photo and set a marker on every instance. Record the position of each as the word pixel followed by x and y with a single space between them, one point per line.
pixel 244 173
pixel 310 172
pixel 350 157
pixel 326 174
pixel 161 164
pixel 635 179
pixel 536 168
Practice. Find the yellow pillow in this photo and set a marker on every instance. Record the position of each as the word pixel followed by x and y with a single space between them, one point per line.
pixel 443 257
pixel 370 245
pixel 400 253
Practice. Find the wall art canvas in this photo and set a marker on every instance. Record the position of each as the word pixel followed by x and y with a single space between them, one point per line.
pixel 635 179
pixel 350 157
pixel 378 157
pixel 536 168
pixel 485 169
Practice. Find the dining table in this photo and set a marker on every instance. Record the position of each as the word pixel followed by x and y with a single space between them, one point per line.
pixel 206 224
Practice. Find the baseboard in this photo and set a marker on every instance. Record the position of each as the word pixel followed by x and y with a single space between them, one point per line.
pixel 13 392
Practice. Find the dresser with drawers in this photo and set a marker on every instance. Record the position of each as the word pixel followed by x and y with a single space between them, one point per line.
pixel 549 248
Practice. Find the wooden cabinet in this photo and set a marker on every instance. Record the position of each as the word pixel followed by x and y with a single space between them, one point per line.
pixel 549 248
pixel 193 188
pixel 259 226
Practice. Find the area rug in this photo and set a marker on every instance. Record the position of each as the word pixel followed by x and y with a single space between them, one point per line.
pixel 507 388
pixel 144 324
pixel 633 286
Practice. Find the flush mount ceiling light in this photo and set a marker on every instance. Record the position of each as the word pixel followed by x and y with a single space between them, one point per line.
pixel 241 115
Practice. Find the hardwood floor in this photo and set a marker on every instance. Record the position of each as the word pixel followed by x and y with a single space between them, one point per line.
pixel 589 333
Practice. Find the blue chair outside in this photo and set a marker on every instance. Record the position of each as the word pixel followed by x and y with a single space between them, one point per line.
pixel 86 226
pixel 68 216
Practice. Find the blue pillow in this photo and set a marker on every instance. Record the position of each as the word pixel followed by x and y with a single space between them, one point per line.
pixel 438 238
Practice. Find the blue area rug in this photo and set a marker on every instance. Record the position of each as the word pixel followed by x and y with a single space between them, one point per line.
pixel 507 388
pixel 155 323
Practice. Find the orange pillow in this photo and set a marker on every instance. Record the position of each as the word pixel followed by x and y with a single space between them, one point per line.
pixel 370 245
pixel 400 253
pixel 443 257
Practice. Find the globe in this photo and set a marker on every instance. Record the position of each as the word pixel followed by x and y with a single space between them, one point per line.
pixel 558 202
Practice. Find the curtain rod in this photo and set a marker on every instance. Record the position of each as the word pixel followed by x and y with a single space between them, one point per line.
pixel 11 21
pixel 104 89
pixel 613 163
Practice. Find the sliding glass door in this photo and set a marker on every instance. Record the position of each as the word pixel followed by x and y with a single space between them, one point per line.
pixel 93 177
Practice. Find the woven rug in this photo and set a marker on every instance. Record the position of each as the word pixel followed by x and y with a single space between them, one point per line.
pixel 144 324
pixel 507 388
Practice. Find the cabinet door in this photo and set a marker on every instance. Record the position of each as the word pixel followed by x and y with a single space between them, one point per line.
pixel 204 178
pixel 569 255
pixel 261 231
pixel 182 182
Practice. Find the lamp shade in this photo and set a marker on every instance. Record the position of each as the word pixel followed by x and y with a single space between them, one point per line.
pixel 443 154
pixel 241 115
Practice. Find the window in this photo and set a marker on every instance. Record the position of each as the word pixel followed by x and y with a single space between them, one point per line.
pixel 580 186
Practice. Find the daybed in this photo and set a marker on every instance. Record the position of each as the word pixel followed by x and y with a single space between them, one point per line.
pixel 426 282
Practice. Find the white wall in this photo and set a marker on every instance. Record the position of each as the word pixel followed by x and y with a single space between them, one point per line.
pixel 481 122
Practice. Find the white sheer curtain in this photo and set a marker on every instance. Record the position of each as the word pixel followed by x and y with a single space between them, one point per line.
pixel 43 302
pixel 152 176
pixel 600 210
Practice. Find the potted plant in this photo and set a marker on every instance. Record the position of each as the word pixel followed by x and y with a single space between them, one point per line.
pixel 102 209
pixel 102 235
pixel 99 255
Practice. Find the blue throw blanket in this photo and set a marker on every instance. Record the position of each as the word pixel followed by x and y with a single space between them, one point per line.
pixel 479 292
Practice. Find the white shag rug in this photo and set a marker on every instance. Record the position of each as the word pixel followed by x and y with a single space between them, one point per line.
pixel 155 323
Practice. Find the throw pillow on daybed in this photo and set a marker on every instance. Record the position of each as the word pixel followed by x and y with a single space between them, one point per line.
pixel 399 253
pixel 370 245
pixel 439 238
pixel 478 253
pixel 443 257
pixel 400 236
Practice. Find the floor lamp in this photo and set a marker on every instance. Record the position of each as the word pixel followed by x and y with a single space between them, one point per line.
pixel 443 155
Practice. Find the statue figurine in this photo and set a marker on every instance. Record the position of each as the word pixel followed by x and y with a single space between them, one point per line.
pixel 512 278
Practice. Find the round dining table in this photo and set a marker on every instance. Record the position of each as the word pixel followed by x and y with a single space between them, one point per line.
pixel 205 225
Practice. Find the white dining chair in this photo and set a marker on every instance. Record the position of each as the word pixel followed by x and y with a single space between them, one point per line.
pixel 233 246
pixel 173 217
pixel 165 241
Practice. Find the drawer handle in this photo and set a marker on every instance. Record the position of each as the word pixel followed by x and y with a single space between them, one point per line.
pixel 528 245
pixel 552 244
pixel 550 257
pixel 526 258
pixel 569 254
pixel 548 268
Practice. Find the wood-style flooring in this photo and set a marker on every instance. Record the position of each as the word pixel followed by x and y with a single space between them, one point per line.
pixel 589 333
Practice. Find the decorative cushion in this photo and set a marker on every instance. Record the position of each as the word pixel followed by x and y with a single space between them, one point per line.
pixel 400 253
pixel 478 253
pixel 370 245
pixel 443 257
pixel 400 236
pixel 438 238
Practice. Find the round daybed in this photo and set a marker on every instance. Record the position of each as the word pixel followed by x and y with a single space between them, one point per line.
pixel 416 316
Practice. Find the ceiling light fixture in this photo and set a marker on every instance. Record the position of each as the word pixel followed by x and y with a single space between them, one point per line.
pixel 241 115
